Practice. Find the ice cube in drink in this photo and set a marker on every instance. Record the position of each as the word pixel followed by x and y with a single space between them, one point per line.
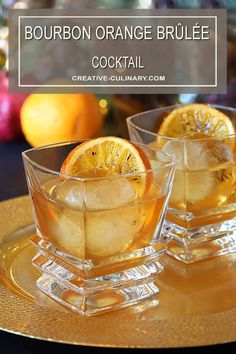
pixel 98 218
pixel 205 176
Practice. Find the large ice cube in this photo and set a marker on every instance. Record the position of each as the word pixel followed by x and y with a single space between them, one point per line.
pixel 197 155
pixel 109 193
pixel 204 169
pixel 96 195
pixel 212 178
pixel 110 232
pixel 71 193
pixel 176 150
pixel 67 230
pixel 207 155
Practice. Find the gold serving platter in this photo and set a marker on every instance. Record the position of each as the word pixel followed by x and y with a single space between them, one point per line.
pixel 196 305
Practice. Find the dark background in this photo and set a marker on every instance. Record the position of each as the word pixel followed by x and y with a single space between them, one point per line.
pixel 12 177
pixel 16 344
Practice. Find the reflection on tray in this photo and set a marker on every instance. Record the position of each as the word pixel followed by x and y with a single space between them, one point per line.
pixel 194 289
pixel 199 288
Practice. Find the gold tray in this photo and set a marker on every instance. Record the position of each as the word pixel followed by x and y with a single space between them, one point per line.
pixel 197 302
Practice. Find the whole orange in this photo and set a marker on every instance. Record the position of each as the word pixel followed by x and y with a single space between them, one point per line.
pixel 51 118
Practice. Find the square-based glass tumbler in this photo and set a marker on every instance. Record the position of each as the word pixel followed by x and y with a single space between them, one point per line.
pixel 201 216
pixel 98 237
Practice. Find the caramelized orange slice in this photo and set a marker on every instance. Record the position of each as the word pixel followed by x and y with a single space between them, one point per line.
pixel 107 156
pixel 196 121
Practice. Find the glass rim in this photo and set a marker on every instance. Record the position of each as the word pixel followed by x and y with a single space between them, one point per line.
pixel 130 122
pixel 171 163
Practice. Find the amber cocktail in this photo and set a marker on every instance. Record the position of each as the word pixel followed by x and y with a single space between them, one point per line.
pixel 98 221
pixel 202 208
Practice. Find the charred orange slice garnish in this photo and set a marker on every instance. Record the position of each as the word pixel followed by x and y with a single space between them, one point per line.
pixel 196 121
pixel 107 156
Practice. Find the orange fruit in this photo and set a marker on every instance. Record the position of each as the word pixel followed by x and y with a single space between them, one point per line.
pixel 196 121
pixel 51 118
pixel 109 156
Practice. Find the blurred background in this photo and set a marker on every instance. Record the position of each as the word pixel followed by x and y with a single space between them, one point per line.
pixel 33 120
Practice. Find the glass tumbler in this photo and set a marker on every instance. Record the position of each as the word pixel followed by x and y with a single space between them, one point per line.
pixel 98 238
pixel 201 216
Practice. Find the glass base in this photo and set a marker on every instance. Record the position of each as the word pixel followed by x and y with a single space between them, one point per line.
pixel 93 291
pixel 193 245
